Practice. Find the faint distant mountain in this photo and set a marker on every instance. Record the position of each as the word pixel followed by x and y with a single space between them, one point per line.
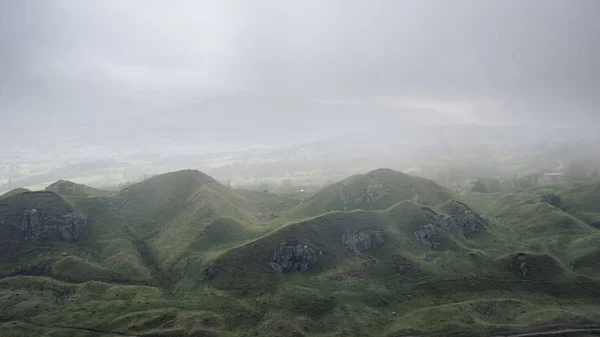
pixel 273 118
pixel 213 123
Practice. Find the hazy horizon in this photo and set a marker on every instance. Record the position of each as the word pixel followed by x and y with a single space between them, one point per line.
pixel 118 74
pixel 265 89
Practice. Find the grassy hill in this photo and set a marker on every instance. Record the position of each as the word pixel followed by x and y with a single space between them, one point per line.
pixel 379 254
pixel 70 189
pixel 21 240
pixel 564 228
pixel 13 192
pixel 376 190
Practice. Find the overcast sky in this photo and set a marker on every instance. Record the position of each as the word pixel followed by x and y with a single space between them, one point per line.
pixel 111 61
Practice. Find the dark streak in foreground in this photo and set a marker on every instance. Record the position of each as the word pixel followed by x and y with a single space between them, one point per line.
pixel 548 331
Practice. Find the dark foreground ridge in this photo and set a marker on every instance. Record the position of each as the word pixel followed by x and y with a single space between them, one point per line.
pixel 549 331
pixel 84 329
pixel 554 331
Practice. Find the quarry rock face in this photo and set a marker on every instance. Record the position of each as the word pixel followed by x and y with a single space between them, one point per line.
pixel 35 225
pixel 293 257
pixel 359 242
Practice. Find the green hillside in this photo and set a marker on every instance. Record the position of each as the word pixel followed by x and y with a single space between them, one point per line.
pixel 70 189
pixel 379 254
pixel 376 190
pixel 564 228
pixel 13 192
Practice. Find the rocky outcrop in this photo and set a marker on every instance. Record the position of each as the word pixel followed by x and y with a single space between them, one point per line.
pixel 524 269
pixel 40 268
pixel 429 236
pixel 35 225
pixel 370 194
pixel 596 224
pixel 535 266
pixel 431 256
pixel 291 257
pixel 73 222
pixel 552 199
pixel 459 221
pixel 210 271
pixel 32 217
pixel 359 242
pixel 525 263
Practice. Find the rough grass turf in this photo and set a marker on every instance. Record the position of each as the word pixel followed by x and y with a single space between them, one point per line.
pixel 148 279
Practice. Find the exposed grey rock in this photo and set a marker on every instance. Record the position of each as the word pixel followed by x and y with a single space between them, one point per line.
pixel 429 236
pixel 596 224
pixel 552 199
pixel 419 199
pixel 210 271
pixel 39 268
pixel 370 194
pixel 35 225
pixel 524 269
pixel 431 256
pixel 460 221
pixel 475 254
pixel 357 243
pixel 293 257
pixel 374 192
pixel 69 229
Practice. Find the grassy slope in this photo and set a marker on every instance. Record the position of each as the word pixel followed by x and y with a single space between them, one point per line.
pixel 70 189
pixel 473 286
pixel 563 231
pixel 13 254
pixel 169 212
pixel 13 192
pixel 77 261
pixel 376 190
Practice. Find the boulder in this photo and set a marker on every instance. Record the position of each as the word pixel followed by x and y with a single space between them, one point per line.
pixel 359 242
pixel 291 257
